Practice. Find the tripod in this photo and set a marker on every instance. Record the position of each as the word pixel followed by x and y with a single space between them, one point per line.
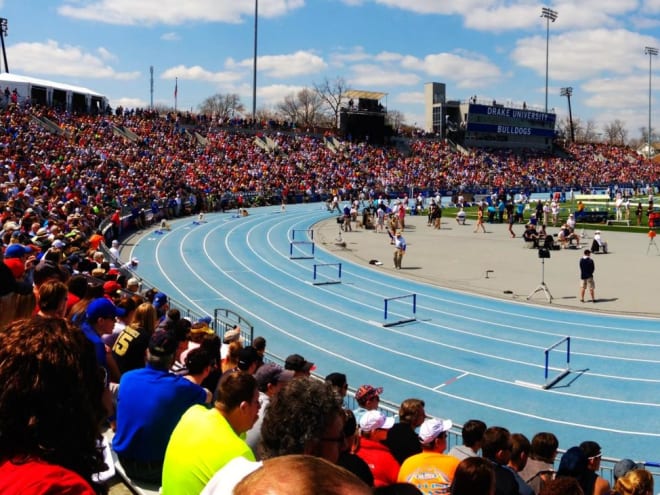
pixel 652 243
pixel 542 287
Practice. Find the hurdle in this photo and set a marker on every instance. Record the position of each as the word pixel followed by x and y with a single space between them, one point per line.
pixel 387 302
pixel 326 281
pixel 301 256
pixel 307 234
pixel 565 371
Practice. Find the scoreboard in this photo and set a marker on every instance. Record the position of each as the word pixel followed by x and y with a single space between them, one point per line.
pixel 499 126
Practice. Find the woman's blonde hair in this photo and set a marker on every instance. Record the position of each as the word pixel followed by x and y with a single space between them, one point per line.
pixel 635 482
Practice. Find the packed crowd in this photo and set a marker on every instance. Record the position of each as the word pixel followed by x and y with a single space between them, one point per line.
pixel 83 347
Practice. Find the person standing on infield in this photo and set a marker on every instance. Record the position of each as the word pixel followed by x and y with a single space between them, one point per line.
pixel 587 268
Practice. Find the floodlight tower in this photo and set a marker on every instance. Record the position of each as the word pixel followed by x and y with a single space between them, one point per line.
pixel 651 52
pixel 550 15
pixel 567 92
pixel 254 62
pixel 3 33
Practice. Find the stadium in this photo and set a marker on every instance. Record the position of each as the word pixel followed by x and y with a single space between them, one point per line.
pixel 192 198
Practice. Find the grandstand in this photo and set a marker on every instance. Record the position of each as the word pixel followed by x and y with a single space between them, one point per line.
pixel 168 175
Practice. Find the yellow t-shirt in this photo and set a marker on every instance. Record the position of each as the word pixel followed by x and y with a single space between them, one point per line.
pixel 431 472
pixel 201 444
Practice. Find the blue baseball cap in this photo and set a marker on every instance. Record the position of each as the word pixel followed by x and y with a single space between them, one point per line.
pixel 160 299
pixel 17 251
pixel 103 308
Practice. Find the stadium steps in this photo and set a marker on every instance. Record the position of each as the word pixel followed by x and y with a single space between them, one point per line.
pixel 201 139
pixel 330 145
pixel 49 125
pixel 260 143
pixel 272 145
pixel 125 133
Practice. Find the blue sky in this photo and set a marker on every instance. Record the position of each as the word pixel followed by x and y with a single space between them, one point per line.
pixel 492 48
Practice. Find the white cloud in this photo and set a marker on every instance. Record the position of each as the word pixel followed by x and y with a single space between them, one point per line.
pixel 284 66
pixel 51 58
pixel 464 71
pixel 581 54
pixel 171 36
pixel 275 93
pixel 172 12
pixel 126 102
pixel 370 76
pixel 197 73
pixel 106 54
pixel 409 98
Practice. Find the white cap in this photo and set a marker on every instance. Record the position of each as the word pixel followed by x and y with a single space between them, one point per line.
pixel 433 427
pixel 374 420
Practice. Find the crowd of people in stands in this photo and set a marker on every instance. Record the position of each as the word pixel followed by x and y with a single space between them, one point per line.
pixel 83 347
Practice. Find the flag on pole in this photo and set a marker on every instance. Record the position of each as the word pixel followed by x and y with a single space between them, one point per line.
pixel 176 87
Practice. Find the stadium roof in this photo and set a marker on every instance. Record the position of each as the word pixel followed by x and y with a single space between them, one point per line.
pixel 367 95
pixel 7 79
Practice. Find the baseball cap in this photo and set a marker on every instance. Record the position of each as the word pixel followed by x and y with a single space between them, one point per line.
pixel 163 343
pixel 58 244
pixel 160 299
pixel 247 356
pixel 232 335
pixel 103 308
pixel 17 250
pixel 624 466
pixel 366 391
pixel 271 372
pixel 296 362
pixel 111 287
pixel 375 420
pixel 432 428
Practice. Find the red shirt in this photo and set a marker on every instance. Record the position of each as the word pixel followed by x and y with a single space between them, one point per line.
pixel 40 478
pixel 380 460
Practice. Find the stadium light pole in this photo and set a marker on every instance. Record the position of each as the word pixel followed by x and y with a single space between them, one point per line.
pixel 550 15
pixel 651 52
pixel 254 62
pixel 3 33
pixel 567 92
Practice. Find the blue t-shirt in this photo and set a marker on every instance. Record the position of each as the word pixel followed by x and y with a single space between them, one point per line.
pixel 99 346
pixel 149 406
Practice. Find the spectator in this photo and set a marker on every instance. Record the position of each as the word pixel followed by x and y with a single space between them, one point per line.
pixel 635 482
pixel 303 475
pixel 574 464
pixel 52 299
pixel 562 486
pixel 271 378
pixel 368 398
pixel 204 440
pixel 540 465
pixel 594 455
pixel 299 365
pixel 623 466
pixel 305 417
pixel 587 268
pixel 347 458
pixel 129 350
pixel 496 447
pixel 339 383
pixel 373 430
pixel 50 369
pixel 100 320
pixel 150 403
pixel 472 434
pixel 431 471
pixel 474 476
pixel 520 448
pixel 401 438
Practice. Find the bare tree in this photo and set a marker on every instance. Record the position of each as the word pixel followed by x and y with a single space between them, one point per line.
pixel 332 94
pixel 395 119
pixel 303 108
pixel 616 132
pixel 222 106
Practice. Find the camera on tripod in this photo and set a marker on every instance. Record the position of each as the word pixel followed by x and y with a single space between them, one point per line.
pixel 544 253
